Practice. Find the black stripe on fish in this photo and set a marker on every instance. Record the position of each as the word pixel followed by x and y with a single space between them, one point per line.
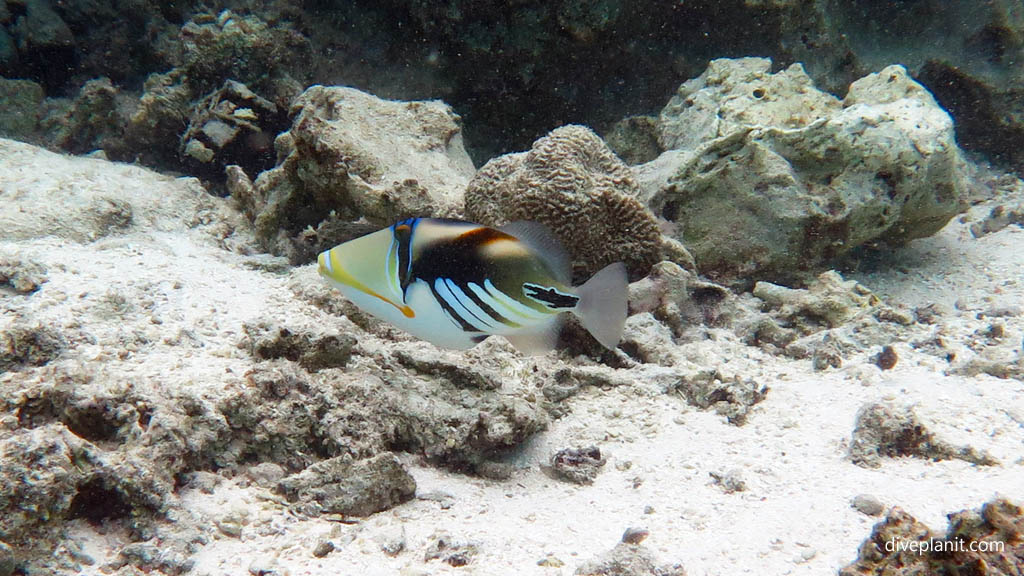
pixel 487 308
pixel 549 297
pixel 447 307
pixel 403 232
pixel 482 324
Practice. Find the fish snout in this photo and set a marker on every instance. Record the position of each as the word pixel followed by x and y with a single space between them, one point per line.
pixel 323 264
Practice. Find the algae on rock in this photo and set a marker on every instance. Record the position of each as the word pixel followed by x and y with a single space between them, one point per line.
pixel 772 177
pixel 350 155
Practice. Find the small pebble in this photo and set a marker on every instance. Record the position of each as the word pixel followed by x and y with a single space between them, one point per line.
pixel 887 358
pixel 635 535
pixel 323 548
pixel 267 566
pixel 729 482
pixel 550 562
pixel 393 545
pixel 996 331
pixel 867 504
pixel 266 474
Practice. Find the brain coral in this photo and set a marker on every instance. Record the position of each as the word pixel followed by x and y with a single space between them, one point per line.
pixel 573 183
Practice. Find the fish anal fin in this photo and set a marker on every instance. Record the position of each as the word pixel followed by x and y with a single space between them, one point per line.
pixel 539 339
pixel 543 242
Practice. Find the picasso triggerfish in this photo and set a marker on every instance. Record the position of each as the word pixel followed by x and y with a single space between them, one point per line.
pixel 455 283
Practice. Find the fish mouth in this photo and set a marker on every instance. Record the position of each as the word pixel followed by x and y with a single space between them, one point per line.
pixel 329 267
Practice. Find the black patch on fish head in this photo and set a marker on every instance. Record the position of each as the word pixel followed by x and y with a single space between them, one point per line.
pixel 402 232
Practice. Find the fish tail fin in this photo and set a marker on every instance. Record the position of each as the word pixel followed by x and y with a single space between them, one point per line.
pixel 603 302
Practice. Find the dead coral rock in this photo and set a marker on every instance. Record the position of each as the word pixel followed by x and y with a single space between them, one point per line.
pixel 678 298
pixel 149 557
pixel 40 471
pixel 887 431
pixel 459 373
pixel 577 465
pixel 887 358
pixel 828 302
pixel 879 550
pixel 312 349
pixel 358 156
pixel 106 198
pixel 773 177
pixel 628 560
pixel 352 488
pixel 635 139
pixel 730 481
pixel 867 504
pixel 24 276
pixel 732 397
pixel 452 552
pixel 246 49
pixel 989 541
pixel 571 182
pixel 232 125
pixel 154 128
pixel 20 105
pixel 1000 217
pixel 286 415
pixel 29 346
pixel 999 362
pixel 826 355
pixel 96 121
pixel 635 535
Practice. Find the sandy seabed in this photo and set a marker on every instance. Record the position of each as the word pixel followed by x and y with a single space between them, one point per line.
pixel 793 514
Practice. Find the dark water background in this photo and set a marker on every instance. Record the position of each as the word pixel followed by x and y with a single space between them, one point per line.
pixel 512 70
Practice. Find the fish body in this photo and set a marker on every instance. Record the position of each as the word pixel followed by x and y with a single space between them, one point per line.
pixel 455 283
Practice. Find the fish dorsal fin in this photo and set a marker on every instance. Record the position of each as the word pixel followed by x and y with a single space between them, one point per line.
pixel 543 242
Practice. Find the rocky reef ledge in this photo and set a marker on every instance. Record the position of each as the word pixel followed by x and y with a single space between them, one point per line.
pixel 175 399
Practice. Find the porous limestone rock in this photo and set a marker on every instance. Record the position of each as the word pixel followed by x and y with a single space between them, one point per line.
pixel 243 47
pixel 734 95
pixel 232 125
pixel 988 541
pixel 577 465
pixel 351 155
pixel 103 201
pixel 161 115
pixel 883 430
pixel 635 139
pixel 628 559
pixel 829 301
pixel 20 102
pixel 573 183
pixel 770 177
pixel 353 488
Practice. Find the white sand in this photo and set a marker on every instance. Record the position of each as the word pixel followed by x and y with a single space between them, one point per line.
pixel 793 518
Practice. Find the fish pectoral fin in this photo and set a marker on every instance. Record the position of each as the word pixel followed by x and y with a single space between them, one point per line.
pixel 538 339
